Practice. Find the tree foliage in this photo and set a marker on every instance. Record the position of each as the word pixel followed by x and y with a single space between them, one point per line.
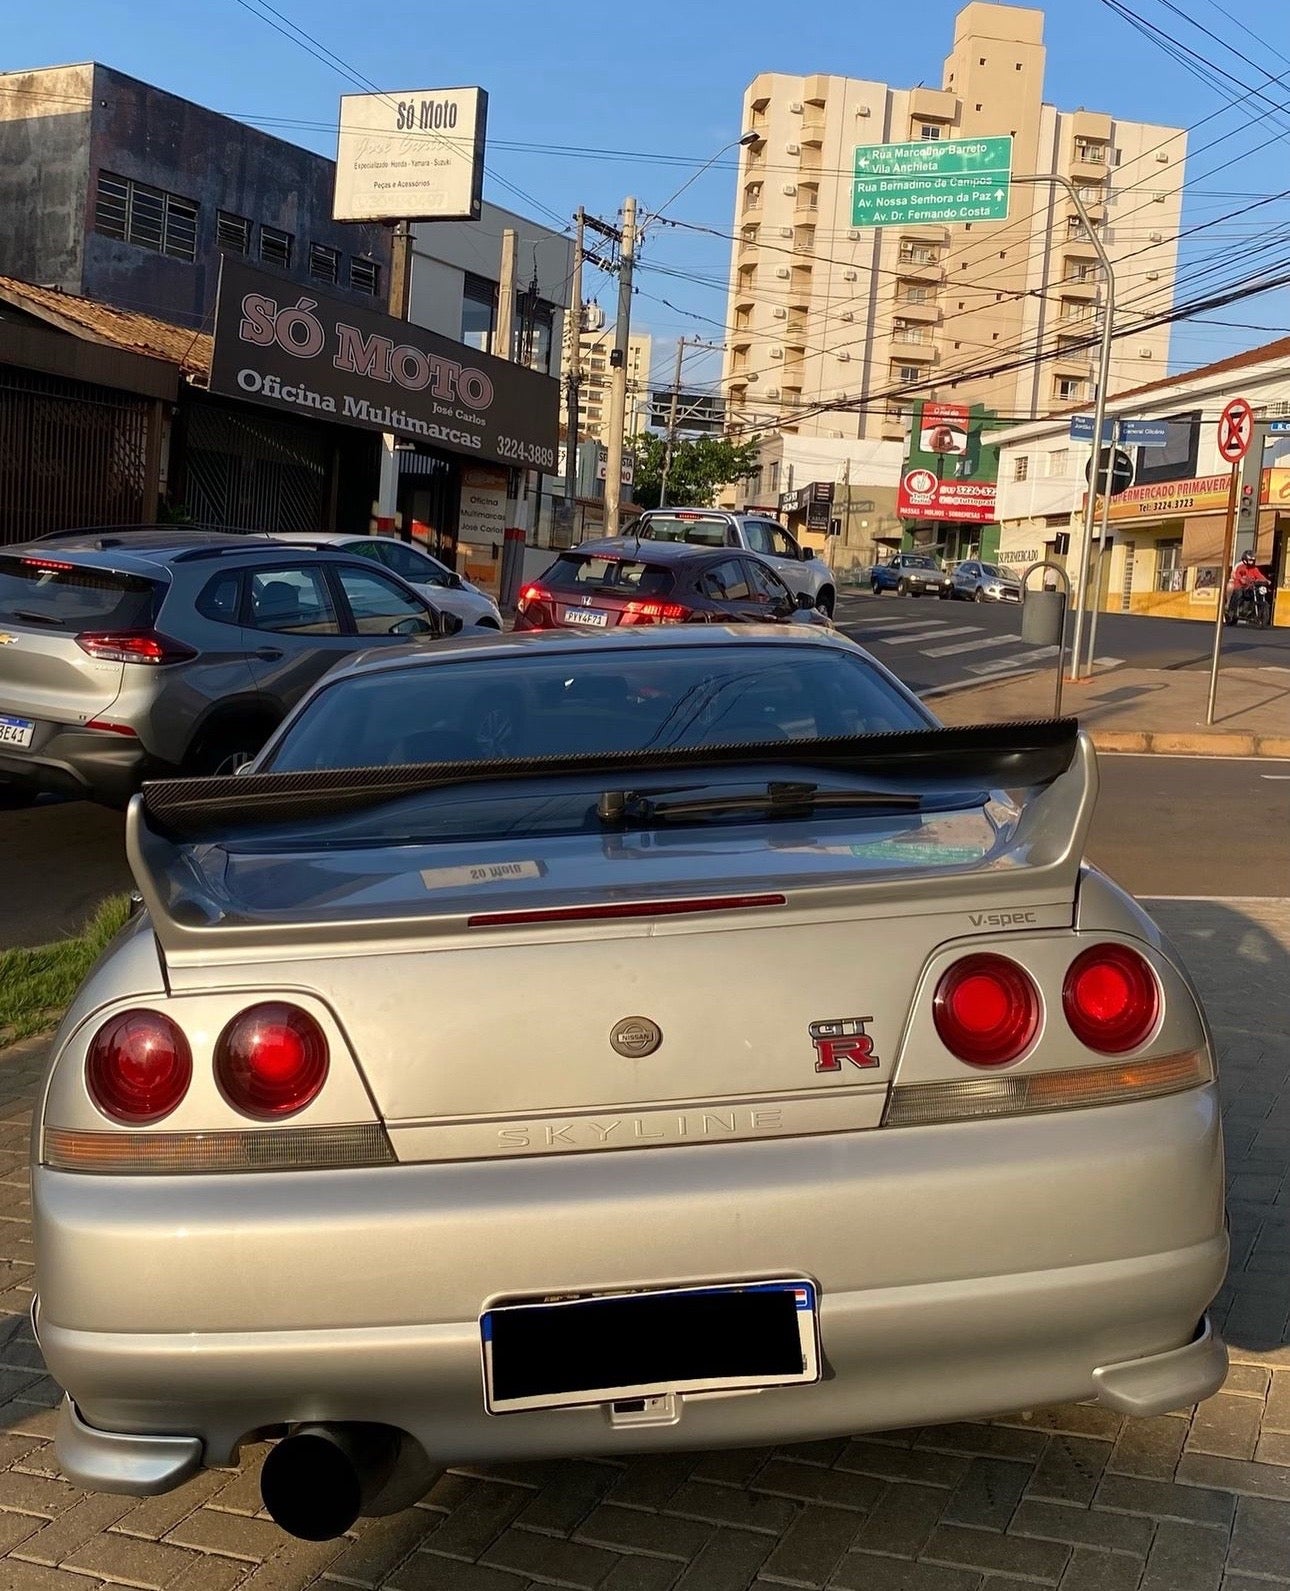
pixel 698 468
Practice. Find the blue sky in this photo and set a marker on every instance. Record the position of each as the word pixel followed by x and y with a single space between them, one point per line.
pixel 661 86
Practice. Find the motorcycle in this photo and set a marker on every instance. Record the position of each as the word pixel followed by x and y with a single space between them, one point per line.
pixel 1251 605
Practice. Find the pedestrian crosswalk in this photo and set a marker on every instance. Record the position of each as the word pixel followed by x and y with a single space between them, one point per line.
pixel 955 653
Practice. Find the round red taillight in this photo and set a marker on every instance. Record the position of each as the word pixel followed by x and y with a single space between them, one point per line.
pixel 271 1060
pixel 986 1010
pixel 138 1067
pixel 1111 999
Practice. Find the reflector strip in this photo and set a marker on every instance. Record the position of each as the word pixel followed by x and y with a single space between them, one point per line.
pixel 921 1104
pixel 177 1153
pixel 655 908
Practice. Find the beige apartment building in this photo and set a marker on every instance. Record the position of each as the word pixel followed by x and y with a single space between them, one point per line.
pixel 821 312
pixel 594 348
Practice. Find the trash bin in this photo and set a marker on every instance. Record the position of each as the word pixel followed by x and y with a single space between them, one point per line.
pixel 1043 614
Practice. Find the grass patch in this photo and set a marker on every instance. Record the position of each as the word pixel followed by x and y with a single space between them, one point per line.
pixel 37 985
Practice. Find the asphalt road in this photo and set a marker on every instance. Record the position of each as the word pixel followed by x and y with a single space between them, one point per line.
pixel 1164 826
pixel 932 644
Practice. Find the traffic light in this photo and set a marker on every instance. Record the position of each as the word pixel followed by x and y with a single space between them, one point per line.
pixel 1249 502
pixel 1061 543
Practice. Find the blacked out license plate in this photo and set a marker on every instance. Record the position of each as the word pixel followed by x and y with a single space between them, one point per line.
pixel 612 1347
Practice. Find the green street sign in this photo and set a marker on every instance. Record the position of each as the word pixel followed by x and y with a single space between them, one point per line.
pixel 934 182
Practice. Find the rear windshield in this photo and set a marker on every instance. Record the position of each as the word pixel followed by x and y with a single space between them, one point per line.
pixel 61 595
pixel 631 577
pixel 704 531
pixel 559 704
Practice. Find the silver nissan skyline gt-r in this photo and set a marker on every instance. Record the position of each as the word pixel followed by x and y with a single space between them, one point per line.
pixel 719 1052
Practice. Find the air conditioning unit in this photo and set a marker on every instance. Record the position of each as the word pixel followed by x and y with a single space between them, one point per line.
pixel 1162 159
pixel 1153 276
pixel 783 272
pixel 792 149
pixel 795 105
pixel 853 233
pixel 851 276
pixel 843 357
pixel 1155 237
pixel 1159 198
pixel 863 110
pixel 752 376
pixel 772 392
pixel 846 315
pixel 790 188
pixel 780 314
pixel 786 231
pixel 1145 353
pixel 776 351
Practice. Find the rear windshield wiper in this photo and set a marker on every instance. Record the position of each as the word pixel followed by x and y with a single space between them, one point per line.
pixel 780 798
pixel 37 618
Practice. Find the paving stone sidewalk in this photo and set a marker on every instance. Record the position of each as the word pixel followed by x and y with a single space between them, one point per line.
pixel 1073 1497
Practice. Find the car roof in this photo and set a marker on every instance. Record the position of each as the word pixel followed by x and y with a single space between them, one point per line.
pixel 494 643
pixel 648 551
pixel 145 552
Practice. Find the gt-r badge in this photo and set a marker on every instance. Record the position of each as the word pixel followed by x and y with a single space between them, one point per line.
pixel 841 1039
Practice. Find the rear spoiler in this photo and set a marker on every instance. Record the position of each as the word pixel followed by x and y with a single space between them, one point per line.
pixel 990 755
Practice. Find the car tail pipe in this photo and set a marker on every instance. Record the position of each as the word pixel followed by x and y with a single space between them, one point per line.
pixel 319 1479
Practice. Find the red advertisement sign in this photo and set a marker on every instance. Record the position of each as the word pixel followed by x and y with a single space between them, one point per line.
pixel 948 474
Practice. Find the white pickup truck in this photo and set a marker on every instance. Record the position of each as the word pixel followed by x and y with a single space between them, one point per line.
pixel 797 566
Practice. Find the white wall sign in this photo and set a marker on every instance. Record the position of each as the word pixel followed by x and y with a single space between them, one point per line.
pixel 482 515
pixel 416 156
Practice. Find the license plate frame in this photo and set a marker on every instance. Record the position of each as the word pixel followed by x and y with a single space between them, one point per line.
pixel 789 1355
pixel 16 732
pixel 586 618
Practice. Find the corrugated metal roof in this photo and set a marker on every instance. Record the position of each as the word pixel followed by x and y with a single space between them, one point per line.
pixel 117 328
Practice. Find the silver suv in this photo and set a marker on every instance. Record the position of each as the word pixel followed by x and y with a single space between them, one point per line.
pixel 797 566
pixel 127 655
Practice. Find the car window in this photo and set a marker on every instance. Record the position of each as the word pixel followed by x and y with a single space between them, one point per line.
pixel 726 581
pixel 580 572
pixel 757 536
pixel 992 571
pixel 919 563
pixel 412 565
pixel 366 548
pixel 701 530
pixel 221 597
pixel 766 584
pixel 782 544
pixel 379 605
pixel 50 591
pixel 293 600
pixel 609 702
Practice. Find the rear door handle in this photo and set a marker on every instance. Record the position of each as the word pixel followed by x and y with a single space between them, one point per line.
pixel 269 654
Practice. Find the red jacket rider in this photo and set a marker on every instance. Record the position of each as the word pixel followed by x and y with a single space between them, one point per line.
pixel 1247 573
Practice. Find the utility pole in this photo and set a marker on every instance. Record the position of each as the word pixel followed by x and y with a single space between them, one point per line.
pixel 504 327
pixel 400 270
pixel 618 387
pixel 573 365
pixel 400 295
pixel 671 423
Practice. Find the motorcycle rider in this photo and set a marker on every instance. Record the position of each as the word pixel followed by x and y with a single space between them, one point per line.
pixel 1246 574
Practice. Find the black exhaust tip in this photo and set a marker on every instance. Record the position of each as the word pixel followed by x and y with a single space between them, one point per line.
pixel 316 1482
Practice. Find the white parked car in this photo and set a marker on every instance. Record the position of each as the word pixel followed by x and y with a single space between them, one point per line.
pixel 446 589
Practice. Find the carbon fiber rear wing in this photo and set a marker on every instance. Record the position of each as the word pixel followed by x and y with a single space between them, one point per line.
pixel 994 756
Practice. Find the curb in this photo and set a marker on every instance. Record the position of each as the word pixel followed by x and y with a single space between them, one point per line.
pixel 1183 743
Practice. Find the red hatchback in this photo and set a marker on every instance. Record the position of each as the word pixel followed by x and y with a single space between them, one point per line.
pixel 604 585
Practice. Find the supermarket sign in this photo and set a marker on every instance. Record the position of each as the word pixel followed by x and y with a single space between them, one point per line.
pixel 1200 494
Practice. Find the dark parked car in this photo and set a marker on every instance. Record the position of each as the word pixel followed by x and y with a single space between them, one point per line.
pixel 910 574
pixel 129 654
pixel 604 585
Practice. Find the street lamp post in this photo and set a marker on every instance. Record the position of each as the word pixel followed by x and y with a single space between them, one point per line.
pixel 1054 179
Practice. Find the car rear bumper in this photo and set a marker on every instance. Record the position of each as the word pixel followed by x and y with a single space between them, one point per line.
pixel 95 764
pixel 964 1271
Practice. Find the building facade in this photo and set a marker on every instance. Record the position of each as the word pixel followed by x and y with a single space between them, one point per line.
pixel 595 344
pixel 122 193
pixel 824 314
pixel 1165 549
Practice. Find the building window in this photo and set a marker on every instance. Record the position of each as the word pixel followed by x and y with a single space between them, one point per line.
pixel 752 196
pixel 916 295
pixel 1088 194
pixel 1075 226
pixel 364 276
pixel 917 254
pixel 478 310
pixel 1059 461
pixel 276 247
pixel 232 233
pixel 1094 154
pixel 906 375
pixel 1169 565
pixel 930 130
pixel 1070 389
pixel 774 475
pixel 147 217
pixel 908 331
pixel 1077 271
pixel 1021 467
pixel 324 264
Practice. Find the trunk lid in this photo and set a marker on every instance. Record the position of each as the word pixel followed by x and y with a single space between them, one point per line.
pixel 45 603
